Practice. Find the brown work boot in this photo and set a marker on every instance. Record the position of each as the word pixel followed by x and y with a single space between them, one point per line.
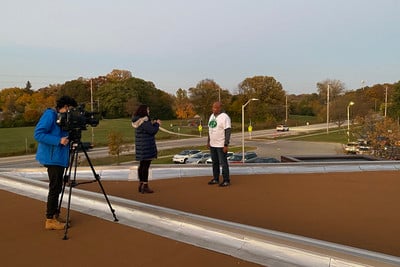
pixel 54 224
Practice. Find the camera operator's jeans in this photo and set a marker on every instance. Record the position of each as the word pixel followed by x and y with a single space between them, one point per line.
pixel 219 159
pixel 56 174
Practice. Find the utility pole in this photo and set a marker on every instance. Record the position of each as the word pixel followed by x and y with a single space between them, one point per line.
pixel 386 100
pixel 91 95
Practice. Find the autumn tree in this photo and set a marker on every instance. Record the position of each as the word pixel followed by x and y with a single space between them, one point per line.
pixel 336 88
pixel 119 75
pixel 383 135
pixel 120 98
pixel 394 102
pixel 204 95
pixel 183 106
pixel 303 104
pixel 271 98
pixel 116 144
pixel 78 89
pixel 8 99
pixel 113 97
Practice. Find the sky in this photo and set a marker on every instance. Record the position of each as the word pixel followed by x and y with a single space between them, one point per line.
pixel 178 43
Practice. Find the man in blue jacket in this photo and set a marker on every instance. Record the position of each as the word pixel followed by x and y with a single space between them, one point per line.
pixel 53 153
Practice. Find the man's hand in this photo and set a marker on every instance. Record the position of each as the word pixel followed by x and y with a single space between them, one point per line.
pixel 64 141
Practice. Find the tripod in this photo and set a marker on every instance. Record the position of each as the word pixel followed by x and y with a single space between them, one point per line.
pixel 73 164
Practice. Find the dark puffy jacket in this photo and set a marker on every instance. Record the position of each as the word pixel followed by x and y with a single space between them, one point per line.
pixel 48 134
pixel 145 142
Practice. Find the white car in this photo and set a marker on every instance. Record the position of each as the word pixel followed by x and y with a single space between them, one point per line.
pixel 184 155
pixel 351 147
pixel 282 128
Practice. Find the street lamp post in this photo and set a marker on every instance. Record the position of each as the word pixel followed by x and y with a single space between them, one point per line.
pixel 327 109
pixel 243 106
pixel 348 120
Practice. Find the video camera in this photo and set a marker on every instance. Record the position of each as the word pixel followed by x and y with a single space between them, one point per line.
pixel 75 120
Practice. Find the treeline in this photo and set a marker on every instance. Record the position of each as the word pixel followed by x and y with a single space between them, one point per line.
pixel 117 94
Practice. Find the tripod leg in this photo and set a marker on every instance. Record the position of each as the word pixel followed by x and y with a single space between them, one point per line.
pixel 97 177
pixel 68 210
pixel 67 175
pixel 72 183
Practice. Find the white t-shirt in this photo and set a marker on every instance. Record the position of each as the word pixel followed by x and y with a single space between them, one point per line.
pixel 216 129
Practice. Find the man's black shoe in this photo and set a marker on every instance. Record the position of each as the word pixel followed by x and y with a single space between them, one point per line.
pixel 213 181
pixel 223 184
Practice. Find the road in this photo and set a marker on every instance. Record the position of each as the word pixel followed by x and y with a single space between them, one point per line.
pixel 263 140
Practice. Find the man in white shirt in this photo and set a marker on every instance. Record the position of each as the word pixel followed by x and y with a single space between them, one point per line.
pixel 219 134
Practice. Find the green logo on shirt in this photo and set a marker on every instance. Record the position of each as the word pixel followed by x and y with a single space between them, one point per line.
pixel 212 124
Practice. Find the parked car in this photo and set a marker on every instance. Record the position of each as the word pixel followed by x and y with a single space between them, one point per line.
pixel 199 158
pixel 184 155
pixel 282 128
pixel 228 155
pixel 262 160
pixel 364 150
pixel 351 147
pixel 238 158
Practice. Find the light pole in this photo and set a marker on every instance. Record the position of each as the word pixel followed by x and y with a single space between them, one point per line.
pixel 348 120
pixel 327 109
pixel 243 106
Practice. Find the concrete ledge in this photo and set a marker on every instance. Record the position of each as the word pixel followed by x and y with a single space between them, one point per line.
pixel 166 171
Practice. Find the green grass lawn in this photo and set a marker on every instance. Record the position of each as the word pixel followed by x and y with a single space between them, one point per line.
pixel 17 141
pixel 334 136
pixel 20 141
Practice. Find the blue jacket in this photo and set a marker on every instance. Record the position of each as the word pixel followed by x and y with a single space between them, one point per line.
pixel 145 142
pixel 48 134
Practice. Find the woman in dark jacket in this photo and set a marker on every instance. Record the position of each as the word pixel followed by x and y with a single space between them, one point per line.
pixel 145 144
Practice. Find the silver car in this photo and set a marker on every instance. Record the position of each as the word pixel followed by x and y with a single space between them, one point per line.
pixel 199 158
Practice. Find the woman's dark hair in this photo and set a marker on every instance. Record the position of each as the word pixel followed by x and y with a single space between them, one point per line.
pixel 142 111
